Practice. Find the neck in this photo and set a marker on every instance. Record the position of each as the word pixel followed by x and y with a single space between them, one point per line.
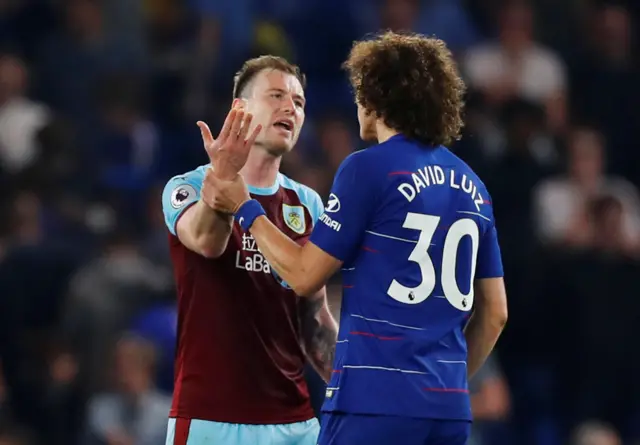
pixel 261 168
pixel 384 133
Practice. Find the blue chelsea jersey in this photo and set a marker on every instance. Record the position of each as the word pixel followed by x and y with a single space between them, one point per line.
pixel 414 227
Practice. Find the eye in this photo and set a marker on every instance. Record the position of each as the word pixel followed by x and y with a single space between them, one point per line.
pixel 277 95
pixel 299 104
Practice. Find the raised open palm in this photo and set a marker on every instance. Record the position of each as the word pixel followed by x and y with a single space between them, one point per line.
pixel 228 153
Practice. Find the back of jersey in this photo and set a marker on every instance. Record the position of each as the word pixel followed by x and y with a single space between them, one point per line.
pixel 414 227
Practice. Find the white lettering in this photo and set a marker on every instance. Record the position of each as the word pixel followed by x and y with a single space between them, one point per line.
pixel 254 261
pixel 417 182
pixel 431 175
pixel 478 201
pixel 469 186
pixel 407 190
pixel 452 180
pixel 430 170
pixel 424 175
pixel 439 173
pixel 331 223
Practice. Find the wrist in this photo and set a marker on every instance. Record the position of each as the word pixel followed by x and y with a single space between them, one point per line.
pixel 247 213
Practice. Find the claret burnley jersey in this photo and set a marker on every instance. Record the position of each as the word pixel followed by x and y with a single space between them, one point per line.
pixel 414 227
pixel 239 357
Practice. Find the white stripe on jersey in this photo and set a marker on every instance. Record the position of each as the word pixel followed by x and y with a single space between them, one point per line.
pixel 474 213
pixel 391 237
pixel 382 368
pixel 387 322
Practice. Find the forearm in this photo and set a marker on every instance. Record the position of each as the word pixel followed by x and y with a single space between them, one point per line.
pixel 209 230
pixel 482 333
pixel 282 253
pixel 319 332
pixel 322 351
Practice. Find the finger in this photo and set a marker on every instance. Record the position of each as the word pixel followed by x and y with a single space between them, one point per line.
pixel 207 137
pixel 245 126
pixel 235 126
pixel 252 139
pixel 228 123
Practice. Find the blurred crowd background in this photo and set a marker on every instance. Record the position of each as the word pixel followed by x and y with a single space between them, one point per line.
pixel 98 103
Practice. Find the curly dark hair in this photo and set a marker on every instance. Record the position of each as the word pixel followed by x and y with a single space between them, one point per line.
pixel 252 67
pixel 412 83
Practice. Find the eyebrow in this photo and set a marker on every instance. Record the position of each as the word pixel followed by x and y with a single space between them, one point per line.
pixel 295 95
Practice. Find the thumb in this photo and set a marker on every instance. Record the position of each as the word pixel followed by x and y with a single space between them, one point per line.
pixel 207 138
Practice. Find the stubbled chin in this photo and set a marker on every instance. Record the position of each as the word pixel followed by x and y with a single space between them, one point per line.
pixel 278 147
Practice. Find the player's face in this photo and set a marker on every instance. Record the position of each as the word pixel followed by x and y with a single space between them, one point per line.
pixel 276 100
pixel 367 123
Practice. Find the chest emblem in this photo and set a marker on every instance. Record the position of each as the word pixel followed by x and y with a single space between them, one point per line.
pixel 294 218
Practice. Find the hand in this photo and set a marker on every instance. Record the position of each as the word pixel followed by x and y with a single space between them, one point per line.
pixel 224 196
pixel 229 152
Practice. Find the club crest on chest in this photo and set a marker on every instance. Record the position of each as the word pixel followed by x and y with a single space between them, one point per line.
pixel 294 218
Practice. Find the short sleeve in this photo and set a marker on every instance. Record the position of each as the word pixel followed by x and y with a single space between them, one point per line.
pixel 349 209
pixel 489 263
pixel 317 208
pixel 179 194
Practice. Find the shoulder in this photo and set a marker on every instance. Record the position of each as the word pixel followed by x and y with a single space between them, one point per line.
pixel 183 188
pixel 369 159
pixel 193 177
pixel 308 196
pixel 447 157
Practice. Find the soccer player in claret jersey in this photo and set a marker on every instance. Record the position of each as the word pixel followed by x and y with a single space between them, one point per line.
pixel 412 227
pixel 242 331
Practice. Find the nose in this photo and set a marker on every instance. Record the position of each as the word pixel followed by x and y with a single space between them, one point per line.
pixel 288 105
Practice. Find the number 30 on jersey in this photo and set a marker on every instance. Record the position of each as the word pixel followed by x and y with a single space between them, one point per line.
pixel 427 225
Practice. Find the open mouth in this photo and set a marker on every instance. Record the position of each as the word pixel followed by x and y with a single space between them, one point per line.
pixel 284 124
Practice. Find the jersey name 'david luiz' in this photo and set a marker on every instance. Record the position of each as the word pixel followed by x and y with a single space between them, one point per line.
pixel 434 175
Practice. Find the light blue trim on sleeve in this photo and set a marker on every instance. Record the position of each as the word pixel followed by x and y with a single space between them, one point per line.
pixel 180 192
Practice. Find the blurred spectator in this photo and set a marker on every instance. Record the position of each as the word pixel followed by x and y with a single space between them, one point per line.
pixel 596 433
pixel 562 212
pixel 133 412
pixel 336 140
pixel 521 159
pixel 604 86
pixel 490 400
pixel 128 150
pixel 20 118
pixel 103 297
pixel 71 63
pixel 517 66
pixel 159 326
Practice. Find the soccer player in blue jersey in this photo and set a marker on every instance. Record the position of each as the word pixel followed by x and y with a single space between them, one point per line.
pixel 412 228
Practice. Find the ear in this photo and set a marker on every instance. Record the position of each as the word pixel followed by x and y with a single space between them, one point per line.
pixel 239 104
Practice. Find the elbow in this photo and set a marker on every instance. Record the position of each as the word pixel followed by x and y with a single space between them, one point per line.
pixel 499 317
pixel 209 248
pixel 495 316
pixel 303 287
pixel 211 254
